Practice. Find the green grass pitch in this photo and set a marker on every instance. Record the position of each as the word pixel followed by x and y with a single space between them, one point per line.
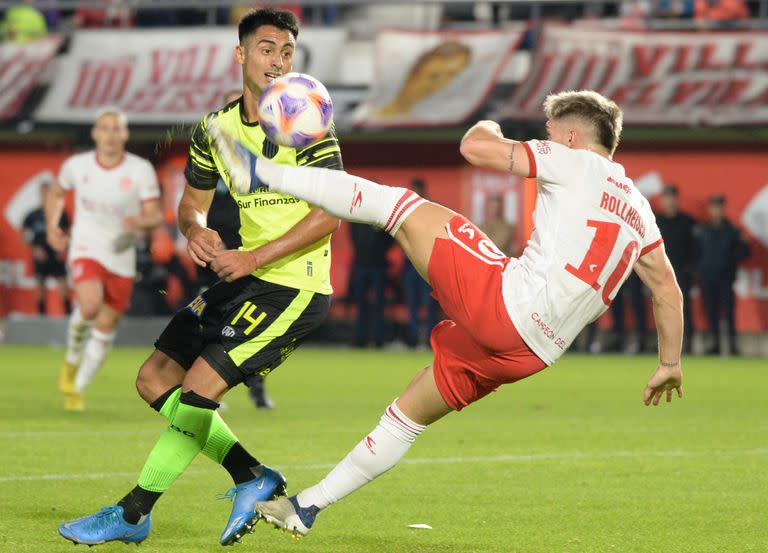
pixel 566 461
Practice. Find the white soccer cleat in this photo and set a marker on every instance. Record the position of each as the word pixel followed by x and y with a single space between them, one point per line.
pixel 285 513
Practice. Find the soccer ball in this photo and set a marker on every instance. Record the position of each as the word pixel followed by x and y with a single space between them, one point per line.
pixel 295 110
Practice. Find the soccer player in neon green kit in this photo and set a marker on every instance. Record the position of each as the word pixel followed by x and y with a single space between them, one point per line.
pixel 274 290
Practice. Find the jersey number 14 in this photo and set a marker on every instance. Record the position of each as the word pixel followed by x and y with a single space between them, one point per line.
pixel 598 254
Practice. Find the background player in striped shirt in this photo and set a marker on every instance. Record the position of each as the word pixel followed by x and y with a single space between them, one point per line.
pixel 116 197
pixel 274 290
pixel 509 317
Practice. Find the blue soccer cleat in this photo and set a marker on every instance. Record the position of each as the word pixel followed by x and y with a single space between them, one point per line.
pixel 106 525
pixel 286 514
pixel 262 488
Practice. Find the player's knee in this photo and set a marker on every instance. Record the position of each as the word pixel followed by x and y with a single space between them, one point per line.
pixel 146 381
pixel 156 375
pixel 89 309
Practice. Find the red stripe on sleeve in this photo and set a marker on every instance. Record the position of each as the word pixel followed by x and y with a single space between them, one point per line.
pixel 532 172
pixel 650 247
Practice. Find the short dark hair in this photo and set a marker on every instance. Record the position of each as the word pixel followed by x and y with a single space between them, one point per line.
pixel 670 190
pixel 717 199
pixel 254 19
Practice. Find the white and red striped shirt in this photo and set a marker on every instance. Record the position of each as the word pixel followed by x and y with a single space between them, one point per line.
pixel 590 226
pixel 104 196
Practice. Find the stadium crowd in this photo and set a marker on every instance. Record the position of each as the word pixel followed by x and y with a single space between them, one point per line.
pixel 31 20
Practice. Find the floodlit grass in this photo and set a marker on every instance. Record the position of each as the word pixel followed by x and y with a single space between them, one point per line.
pixel 566 461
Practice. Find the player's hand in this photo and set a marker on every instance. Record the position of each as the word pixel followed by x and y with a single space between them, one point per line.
pixel 131 224
pixel 202 244
pixel 233 264
pixel 57 239
pixel 665 379
pixel 124 241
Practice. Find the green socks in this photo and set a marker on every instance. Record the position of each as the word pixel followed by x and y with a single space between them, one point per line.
pixel 220 437
pixel 184 438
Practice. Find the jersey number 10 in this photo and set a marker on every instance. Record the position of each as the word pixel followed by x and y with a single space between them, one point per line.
pixel 598 254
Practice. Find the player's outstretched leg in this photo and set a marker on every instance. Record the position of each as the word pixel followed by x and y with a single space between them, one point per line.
pixel 342 195
pixel 413 221
pixel 378 452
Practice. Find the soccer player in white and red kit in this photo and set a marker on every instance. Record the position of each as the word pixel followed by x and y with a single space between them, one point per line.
pixel 116 197
pixel 509 318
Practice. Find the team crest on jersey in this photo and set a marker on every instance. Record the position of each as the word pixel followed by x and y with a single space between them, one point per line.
pixel 125 184
pixel 543 147
pixel 197 306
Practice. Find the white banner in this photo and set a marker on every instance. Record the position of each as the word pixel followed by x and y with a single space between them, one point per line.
pixel 434 78
pixel 21 65
pixel 708 78
pixel 173 75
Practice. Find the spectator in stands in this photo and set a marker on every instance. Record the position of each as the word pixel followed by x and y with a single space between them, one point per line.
pixel 720 13
pixel 47 262
pixel 370 273
pixel 114 13
pixel 181 17
pixel 325 15
pixel 23 23
pixel 677 230
pixel 422 307
pixel 495 227
pixel 721 248
pixel 674 9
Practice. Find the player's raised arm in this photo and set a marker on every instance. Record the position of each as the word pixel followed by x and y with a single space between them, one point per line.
pixel 656 272
pixel 485 146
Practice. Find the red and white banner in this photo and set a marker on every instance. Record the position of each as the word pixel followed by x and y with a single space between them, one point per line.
pixel 173 75
pixel 713 78
pixel 21 66
pixel 434 78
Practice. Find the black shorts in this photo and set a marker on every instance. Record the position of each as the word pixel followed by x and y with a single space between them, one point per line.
pixel 242 328
pixel 50 267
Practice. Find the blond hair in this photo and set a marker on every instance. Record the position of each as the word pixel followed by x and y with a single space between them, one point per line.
pixel 603 114
pixel 111 110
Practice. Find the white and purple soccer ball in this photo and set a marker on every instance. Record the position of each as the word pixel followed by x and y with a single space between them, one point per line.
pixel 295 110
